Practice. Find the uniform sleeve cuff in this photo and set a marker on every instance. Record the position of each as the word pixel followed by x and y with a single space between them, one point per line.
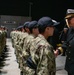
pixel 60 50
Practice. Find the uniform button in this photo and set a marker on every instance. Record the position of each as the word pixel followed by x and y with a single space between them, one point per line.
pixel 69 45
pixel 69 52
pixel 69 58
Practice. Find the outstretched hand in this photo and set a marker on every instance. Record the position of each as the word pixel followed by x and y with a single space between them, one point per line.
pixel 56 53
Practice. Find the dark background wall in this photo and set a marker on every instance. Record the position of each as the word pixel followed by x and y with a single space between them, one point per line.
pixel 53 8
pixel 56 9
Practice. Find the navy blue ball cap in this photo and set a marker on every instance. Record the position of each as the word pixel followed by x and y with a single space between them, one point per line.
pixel 19 27
pixel 33 24
pixel 26 24
pixel 46 21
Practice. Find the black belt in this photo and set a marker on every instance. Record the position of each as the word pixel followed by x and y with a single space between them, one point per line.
pixel 51 73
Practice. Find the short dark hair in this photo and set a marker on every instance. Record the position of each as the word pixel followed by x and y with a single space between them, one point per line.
pixel 32 29
pixel 42 29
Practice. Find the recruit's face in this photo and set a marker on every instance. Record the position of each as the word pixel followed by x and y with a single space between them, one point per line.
pixel 35 31
pixel 50 31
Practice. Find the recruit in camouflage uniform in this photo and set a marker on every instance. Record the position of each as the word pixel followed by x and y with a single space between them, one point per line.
pixel 41 51
pixel 23 36
pixel 27 44
pixel 43 56
pixel 26 52
pixel 3 36
pixel 21 43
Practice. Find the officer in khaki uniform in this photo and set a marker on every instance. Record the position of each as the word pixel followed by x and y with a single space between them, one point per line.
pixel 68 45
pixel 42 54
